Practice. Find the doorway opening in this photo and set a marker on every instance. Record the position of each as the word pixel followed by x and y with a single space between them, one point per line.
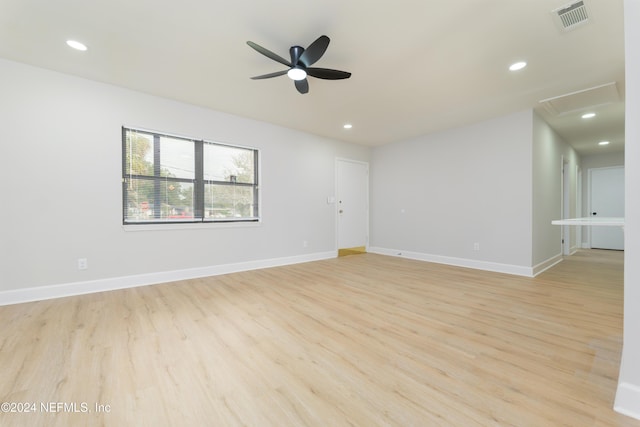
pixel 352 210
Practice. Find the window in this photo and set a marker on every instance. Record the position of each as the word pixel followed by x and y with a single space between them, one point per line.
pixel 168 179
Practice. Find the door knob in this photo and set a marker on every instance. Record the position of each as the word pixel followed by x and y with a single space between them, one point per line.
pixel 340 211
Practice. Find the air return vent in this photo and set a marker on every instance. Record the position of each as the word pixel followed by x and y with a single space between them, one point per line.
pixel 571 16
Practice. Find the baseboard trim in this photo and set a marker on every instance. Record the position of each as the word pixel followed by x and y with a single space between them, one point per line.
pixel 547 264
pixel 458 262
pixel 628 400
pixel 17 296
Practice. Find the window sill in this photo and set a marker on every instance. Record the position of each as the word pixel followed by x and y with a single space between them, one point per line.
pixel 190 226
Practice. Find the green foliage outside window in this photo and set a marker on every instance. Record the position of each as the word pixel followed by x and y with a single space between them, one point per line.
pixel 172 179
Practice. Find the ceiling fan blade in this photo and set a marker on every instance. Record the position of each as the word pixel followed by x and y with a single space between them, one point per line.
pixel 268 76
pixel 314 51
pixel 269 54
pixel 327 74
pixel 302 85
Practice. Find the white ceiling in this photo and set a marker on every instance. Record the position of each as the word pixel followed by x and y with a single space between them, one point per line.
pixel 418 66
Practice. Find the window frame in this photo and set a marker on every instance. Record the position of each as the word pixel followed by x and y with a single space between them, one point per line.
pixel 198 182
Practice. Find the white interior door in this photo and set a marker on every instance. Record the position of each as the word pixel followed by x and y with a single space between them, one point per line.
pixel 607 200
pixel 352 203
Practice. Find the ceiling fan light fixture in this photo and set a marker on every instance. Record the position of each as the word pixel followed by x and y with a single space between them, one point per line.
pixel 297 74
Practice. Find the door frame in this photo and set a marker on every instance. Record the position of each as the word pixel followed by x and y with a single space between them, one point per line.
pixel 579 213
pixel 565 206
pixel 570 198
pixel 337 193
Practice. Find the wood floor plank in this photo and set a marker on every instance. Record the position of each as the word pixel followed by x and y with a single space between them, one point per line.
pixel 361 340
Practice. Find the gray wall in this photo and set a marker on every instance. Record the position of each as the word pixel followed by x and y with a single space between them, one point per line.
pixel 60 141
pixel 497 183
pixel 437 195
pixel 549 153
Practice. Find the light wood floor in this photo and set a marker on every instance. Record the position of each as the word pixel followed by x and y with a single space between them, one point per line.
pixel 363 340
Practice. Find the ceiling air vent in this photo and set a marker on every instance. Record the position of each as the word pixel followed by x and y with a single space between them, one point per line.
pixel 571 16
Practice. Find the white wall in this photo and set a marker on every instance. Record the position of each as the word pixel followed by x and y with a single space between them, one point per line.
pixel 606 160
pixel 60 145
pixel 549 153
pixel 433 197
pixel 628 395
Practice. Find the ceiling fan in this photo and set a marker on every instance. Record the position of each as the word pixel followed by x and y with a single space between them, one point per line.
pixel 300 64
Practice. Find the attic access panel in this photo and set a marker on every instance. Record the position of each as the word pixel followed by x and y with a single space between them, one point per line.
pixel 579 100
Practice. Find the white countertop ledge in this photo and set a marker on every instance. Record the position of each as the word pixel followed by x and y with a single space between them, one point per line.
pixel 591 220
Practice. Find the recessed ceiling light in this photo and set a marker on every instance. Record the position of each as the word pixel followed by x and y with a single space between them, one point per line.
pixel 76 45
pixel 348 126
pixel 603 143
pixel 588 115
pixel 518 66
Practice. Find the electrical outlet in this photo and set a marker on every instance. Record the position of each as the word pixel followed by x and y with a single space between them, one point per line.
pixel 476 246
pixel 82 264
pixel 305 244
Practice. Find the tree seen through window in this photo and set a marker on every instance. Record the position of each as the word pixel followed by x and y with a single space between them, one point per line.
pixel 169 179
